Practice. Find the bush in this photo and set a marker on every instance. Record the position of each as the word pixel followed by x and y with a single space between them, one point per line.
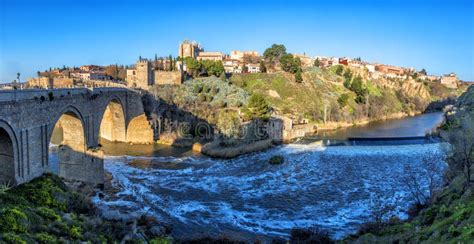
pixel 429 216
pixel 343 100
pixel 12 238
pixel 298 76
pixel 13 219
pixel 277 159
pixel 160 240
pixel 75 232
pixel 48 214
pixel 310 235
pixel 45 238
pixel 201 97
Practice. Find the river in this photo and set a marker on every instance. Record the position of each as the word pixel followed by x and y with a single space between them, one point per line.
pixel 335 188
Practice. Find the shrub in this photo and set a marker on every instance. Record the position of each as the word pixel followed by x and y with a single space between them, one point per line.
pixel 12 238
pixel 343 100
pixel 201 97
pixel 160 240
pixel 429 216
pixel 298 76
pixel 48 214
pixel 453 231
pixel 45 238
pixel 13 219
pixel 197 88
pixel 277 159
pixel 310 235
pixel 75 232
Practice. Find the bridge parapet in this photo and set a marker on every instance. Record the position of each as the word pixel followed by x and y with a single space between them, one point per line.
pixel 28 94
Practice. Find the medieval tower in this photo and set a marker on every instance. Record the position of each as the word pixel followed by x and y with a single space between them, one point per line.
pixel 144 75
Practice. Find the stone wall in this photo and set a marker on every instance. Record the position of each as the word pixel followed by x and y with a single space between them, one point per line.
pixel 47 83
pixel 167 77
pixel 40 82
pixel 63 83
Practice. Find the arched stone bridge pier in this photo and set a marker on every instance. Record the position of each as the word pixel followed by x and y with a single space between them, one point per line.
pixel 78 117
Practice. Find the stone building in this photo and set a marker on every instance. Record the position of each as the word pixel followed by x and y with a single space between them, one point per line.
pixel 213 56
pixel 189 49
pixel 239 55
pixel 388 69
pixel 144 75
pixel 90 75
pixel 253 68
pixel 450 80
pixel 232 66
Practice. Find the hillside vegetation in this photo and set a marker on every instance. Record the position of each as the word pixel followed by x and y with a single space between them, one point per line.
pixel 45 210
pixel 341 94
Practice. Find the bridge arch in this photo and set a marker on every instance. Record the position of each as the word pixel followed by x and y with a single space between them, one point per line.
pixel 8 154
pixel 139 130
pixel 112 125
pixel 69 135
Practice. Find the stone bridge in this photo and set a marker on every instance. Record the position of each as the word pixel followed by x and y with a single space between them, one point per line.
pixel 79 118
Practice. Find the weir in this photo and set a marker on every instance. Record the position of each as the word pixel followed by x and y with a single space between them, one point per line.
pixel 378 141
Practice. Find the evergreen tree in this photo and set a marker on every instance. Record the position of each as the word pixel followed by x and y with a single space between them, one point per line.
pixel 317 63
pixel 257 108
pixel 263 68
pixel 298 76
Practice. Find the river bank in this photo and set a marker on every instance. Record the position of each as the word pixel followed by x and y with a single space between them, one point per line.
pixel 333 130
pixel 50 210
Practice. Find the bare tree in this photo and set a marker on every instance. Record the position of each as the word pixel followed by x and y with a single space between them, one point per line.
pixel 462 142
pixel 429 175
pixel 381 211
pixel 412 181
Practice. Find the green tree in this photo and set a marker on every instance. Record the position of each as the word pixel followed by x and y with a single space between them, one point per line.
pixel 298 76
pixel 257 108
pixel 274 52
pixel 348 74
pixel 317 63
pixel 343 100
pixel 213 67
pixel 192 66
pixel 290 64
pixel 357 86
pixel 347 83
pixel 263 68
pixel 228 123
pixel 423 72
pixel 339 70
pixel 170 58
pixel 222 76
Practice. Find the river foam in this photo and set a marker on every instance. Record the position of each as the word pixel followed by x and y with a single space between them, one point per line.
pixel 335 188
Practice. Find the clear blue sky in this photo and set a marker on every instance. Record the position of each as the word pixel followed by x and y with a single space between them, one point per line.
pixel 36 35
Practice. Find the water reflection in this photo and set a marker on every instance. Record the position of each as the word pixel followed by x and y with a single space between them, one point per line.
pixel 405 127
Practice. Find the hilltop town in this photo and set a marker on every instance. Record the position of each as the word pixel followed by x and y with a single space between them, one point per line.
pixel 189 62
